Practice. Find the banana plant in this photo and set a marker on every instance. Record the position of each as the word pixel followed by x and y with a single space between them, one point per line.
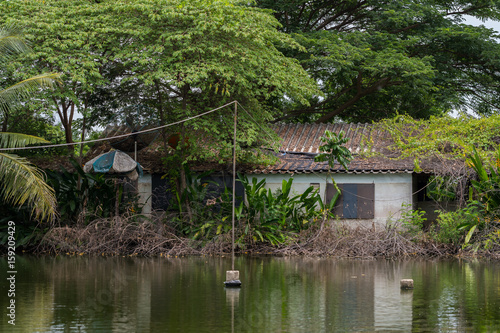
pixel 487 189
pixel 487 186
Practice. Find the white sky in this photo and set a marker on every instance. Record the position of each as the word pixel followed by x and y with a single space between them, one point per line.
pixel 488 24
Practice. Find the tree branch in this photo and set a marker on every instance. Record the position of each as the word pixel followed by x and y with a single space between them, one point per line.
pixel 361 93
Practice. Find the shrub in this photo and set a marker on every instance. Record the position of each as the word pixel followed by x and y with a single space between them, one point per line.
pixel 413 220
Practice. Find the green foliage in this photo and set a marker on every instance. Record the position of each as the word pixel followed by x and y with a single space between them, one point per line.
pixel 456 227
pixel 413 220
pixel 88 196
pixel 273 217
pixel 442 188
pixel 27 232
pixel 332 149
pixel 492 239
pixel 487 186
pixel 453 228
pixel 445 137
pixel 210 210
pixel 12 44
pixel 22 182
pixel 75 38
pixel 472 225
pixel 188 57
pixel 265 217
pixel 486 189
pixel 376 59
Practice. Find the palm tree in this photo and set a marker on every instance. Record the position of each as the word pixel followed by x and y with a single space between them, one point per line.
pixel 21 182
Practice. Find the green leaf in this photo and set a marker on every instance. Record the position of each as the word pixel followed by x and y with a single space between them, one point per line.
pixel 469 234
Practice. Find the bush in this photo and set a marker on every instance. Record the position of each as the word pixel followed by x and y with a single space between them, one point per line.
pixel 89 196
pixel 413 220
pixel 450 228
pixel 456 227
pixel 272 217
pixel 265 217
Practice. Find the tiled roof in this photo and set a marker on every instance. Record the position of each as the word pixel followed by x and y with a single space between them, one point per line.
pixel 305 138
pixel 295 164
pixel 301 144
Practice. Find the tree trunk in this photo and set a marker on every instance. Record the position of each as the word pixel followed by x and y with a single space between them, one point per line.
pixel 66 112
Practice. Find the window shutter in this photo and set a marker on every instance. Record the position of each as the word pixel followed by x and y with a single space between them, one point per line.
pixel 350 194
pixel 357 201
pixel 366 201
pixel 330 193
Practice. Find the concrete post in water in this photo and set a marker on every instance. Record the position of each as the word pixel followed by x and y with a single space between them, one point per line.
pixel 232 279
pixel 407 284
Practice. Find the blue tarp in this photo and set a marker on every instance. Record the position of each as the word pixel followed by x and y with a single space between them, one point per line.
pixel 104 163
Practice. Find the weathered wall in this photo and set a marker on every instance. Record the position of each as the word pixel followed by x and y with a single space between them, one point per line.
pixel 391 190
pixel 144 189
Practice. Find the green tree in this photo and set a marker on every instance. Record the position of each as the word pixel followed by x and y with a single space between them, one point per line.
pixel 76 38
pixel 333 150
pixel 177 58
pixel 197 55
pixel 181 60
pixel 375 59
pixel 22 182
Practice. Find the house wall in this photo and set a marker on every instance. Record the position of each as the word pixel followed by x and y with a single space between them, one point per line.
pixel 155 194
pixel 391 191
pixel 144 189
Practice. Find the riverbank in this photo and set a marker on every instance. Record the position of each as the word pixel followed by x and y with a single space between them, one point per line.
pixel 147 238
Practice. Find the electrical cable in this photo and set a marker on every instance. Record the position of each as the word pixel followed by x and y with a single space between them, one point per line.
pixel 122 135
pixel 165 126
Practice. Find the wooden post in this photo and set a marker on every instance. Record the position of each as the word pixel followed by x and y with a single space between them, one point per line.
pixel 234 184
pixel 232 276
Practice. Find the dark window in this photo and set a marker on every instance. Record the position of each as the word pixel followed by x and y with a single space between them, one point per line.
pixel 164 194
pixel 355 202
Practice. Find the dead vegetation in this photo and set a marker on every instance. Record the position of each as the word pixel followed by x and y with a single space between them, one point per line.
pixel 152 238
pixel 363 242
pixel 105 236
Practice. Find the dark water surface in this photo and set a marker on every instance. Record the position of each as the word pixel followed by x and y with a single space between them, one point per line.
pixel 95 294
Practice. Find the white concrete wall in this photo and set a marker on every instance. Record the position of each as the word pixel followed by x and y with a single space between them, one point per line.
pixel 144 189
pixel 391 190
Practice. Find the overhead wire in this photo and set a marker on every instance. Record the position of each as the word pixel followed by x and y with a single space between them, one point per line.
pixel 161 127
pixel 121 135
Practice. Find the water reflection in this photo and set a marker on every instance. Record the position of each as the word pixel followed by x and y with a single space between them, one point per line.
pixel 92 294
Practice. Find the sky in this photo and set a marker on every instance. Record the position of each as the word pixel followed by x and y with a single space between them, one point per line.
pixel 488 24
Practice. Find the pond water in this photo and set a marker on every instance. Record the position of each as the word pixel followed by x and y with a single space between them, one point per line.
pixel 124 294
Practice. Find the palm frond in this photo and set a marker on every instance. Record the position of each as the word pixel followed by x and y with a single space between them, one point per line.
pixel 25 88
pixel 12 42
pixel 22 183
pixel 18 140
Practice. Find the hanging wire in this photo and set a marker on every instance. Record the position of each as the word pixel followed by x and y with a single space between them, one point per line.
pixel 165 126
pixel 123 135
pixel 255 121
